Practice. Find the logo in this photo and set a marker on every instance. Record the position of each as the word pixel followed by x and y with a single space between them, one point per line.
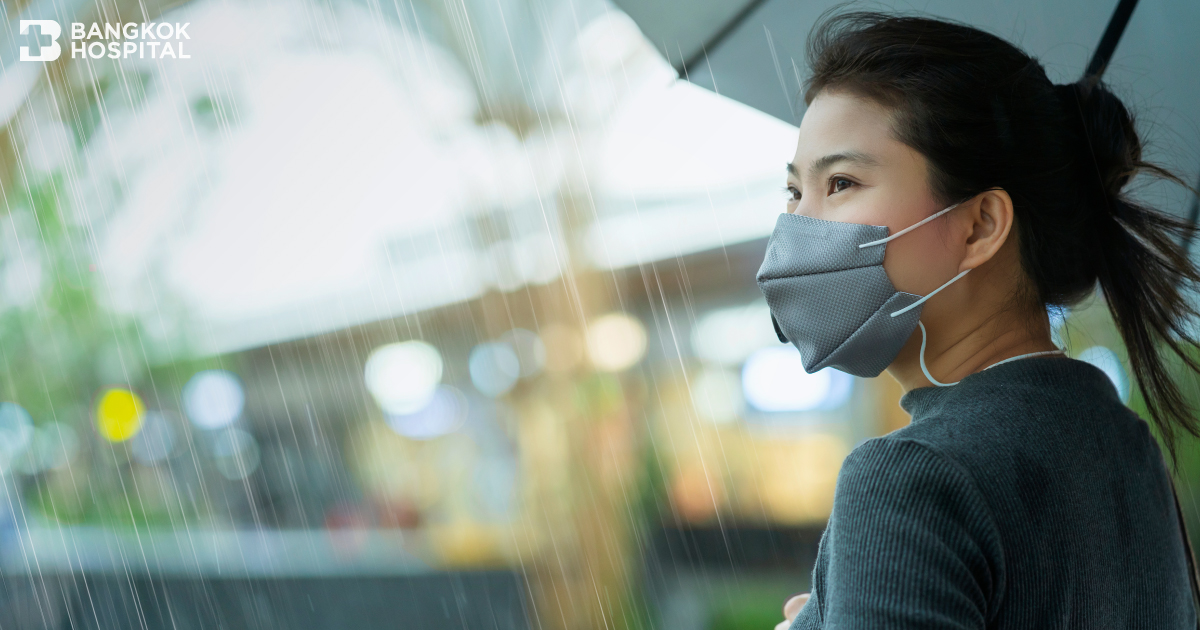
pixel 153 40
pixel 38 31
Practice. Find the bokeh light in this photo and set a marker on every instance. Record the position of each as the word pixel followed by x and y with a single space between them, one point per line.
pixel 774 380
pixel 402 377
pixel 213 399
pixel 1110 364
pixel 615 342
pixel 494 368
pixel 717 395
pixel 728 336
pixel 1058 317
pixel 54 445
pixel 156 441
pixel 119 414
pixel 530 351
pixel 444 414
pixel 16 431
pixel 235 453
pixel 495 481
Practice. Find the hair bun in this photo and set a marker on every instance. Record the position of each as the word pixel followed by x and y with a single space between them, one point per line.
pixel 1102 133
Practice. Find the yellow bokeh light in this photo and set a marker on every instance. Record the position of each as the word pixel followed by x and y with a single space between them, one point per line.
pixel 615 342
pixel 119 414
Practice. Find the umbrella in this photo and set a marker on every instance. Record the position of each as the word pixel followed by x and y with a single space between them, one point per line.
pixel 754 53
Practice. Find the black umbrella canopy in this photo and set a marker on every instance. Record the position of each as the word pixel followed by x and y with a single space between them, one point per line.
pixel 753 52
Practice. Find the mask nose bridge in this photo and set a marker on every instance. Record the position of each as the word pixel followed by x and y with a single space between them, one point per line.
pixel 802 246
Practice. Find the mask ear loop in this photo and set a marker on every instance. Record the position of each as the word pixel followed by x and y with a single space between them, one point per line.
pixel 919 323
pixel 916 304
pixel 909 228
pixel 922 359
pixel 929 295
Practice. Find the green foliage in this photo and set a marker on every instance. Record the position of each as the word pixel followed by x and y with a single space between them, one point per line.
pixel 60 346
pixel 52 340
pixel 752 609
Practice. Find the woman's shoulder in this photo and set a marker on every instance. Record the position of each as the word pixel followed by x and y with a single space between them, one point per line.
pixel 896 467
pixel 1016 391
pixel 1048 415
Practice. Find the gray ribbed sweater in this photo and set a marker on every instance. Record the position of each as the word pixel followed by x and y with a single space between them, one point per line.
pixel 1027 496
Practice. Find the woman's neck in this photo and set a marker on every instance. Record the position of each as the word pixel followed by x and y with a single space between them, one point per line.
pixel 957 347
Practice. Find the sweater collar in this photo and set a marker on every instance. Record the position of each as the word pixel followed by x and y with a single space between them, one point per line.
pixel 1047 373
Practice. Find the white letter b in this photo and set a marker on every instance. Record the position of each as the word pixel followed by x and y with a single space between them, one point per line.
pixel 46 28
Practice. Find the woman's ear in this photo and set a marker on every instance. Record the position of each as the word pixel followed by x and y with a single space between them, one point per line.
pixel 991 219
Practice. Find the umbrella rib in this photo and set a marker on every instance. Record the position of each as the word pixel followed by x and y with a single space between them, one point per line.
pixel 725 31
pixel 1108 41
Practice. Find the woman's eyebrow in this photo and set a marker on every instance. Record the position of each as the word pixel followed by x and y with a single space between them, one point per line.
pixel 820 164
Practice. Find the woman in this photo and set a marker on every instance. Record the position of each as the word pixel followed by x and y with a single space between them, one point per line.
pixel 943 195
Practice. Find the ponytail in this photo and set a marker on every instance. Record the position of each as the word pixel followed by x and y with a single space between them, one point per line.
pixel 1140 254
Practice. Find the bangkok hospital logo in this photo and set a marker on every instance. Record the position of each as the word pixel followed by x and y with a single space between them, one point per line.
pixel 151 40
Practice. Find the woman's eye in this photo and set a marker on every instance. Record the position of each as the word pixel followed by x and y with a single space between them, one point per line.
pixel 793 193
pixel 838 184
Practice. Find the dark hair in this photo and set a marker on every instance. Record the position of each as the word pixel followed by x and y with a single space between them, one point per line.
pixel 985 116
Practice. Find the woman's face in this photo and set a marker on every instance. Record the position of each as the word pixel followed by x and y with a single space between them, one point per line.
pixel 849 167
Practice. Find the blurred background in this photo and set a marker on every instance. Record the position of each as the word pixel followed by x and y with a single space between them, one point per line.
pixel 442 314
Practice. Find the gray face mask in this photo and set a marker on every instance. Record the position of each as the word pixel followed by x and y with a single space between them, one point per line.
pixel 830 296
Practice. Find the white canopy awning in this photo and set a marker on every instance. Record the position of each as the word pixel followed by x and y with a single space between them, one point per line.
pixel 304 172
